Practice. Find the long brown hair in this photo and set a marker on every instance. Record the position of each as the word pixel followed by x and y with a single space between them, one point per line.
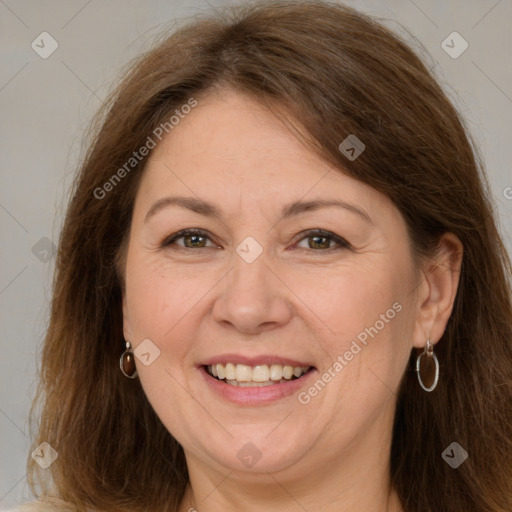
pixel 333 72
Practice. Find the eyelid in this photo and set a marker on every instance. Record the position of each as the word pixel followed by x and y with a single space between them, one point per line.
pixel 342 243
pixel 182 233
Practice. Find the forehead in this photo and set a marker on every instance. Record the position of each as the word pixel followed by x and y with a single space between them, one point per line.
pixel 234 132
pixel 232 150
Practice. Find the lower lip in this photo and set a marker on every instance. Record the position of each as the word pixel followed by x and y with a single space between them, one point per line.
pixel 256 395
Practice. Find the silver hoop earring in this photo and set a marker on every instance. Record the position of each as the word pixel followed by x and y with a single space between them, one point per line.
pixel 431 364
pixel 127 362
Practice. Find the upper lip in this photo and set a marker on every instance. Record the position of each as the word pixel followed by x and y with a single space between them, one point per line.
pixel 267 359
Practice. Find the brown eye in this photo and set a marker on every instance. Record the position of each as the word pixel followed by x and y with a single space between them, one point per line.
pixel 321 239
pixel 319 242
pixel 193 239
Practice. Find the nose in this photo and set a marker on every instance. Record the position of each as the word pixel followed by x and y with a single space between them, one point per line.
pixel 253 297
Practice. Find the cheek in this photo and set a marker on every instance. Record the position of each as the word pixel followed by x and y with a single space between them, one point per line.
pixel 158 301
pixel 355 298
pixel 368 311
pixel 158 296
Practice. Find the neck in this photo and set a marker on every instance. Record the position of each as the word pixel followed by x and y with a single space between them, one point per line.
pixel 231 494
pixel 353 479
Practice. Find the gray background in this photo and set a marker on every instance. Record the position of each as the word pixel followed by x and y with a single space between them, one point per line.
pixel 46 105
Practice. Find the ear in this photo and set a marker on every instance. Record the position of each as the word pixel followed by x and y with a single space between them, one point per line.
pixel 440 276
pixel 127 328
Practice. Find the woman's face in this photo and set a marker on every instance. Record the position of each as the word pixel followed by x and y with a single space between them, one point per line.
pixel 260 290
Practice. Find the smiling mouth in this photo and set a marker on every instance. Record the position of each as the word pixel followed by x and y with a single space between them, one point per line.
pixel 256 376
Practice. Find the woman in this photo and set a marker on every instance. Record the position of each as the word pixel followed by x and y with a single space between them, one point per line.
pixel 279 285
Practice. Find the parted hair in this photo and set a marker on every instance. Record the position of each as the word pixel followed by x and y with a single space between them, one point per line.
pixel 332 71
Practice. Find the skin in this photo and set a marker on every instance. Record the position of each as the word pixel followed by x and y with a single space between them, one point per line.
pixel 295 300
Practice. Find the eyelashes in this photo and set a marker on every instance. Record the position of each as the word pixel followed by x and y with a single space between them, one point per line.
pixel 325 235
pixel 197 233
pixel 322 237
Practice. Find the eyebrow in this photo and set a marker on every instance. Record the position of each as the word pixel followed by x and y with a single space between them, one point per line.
pixel 210 210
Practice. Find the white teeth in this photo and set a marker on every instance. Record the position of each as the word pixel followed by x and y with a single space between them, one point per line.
pixel 230 371
pixel 243 373
pixel 255 384
pixel 276 372
pixel 297 371
pixel 288 372
pixel 259 375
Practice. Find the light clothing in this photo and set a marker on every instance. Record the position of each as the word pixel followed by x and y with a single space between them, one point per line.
pixel 29 506
pixel 47 504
